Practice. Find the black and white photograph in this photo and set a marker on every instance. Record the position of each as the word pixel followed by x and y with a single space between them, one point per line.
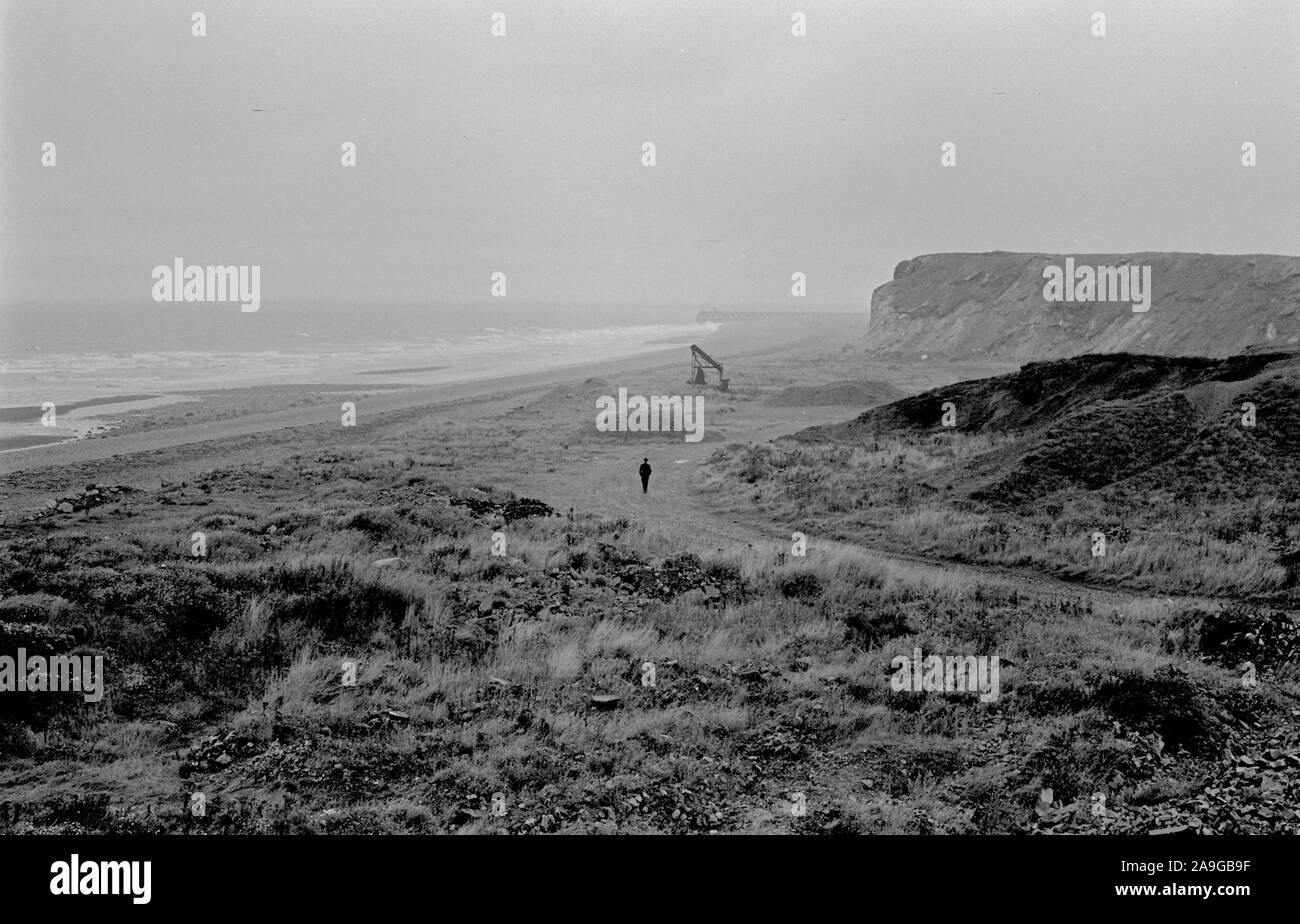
pixel 650 419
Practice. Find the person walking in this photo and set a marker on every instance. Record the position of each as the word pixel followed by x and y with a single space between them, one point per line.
pixel 645 476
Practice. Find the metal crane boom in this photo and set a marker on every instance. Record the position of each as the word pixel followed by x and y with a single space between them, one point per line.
pixel 699 362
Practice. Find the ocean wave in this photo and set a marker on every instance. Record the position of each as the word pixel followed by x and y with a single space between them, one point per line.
pixel 34 378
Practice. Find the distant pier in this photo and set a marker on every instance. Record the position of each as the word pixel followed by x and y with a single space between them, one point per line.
pixel 704 317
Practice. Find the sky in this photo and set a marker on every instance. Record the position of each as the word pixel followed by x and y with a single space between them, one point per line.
pixel 523 154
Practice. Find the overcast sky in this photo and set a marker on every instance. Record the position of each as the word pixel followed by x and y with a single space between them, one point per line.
pixel 522 154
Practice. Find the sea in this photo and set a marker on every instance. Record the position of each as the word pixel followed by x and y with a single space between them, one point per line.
pixel 77 353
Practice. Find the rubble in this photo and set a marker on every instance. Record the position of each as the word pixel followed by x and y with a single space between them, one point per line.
pixel 519 509
pixel 93 495
pixel 1253 788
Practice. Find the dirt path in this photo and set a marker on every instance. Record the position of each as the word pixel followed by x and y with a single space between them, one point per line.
pixel 676 509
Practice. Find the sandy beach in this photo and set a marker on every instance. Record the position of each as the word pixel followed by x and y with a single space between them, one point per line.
pixel 163 437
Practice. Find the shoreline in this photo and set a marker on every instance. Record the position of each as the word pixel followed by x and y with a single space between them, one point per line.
pixel 106 415
pixel 73 379
pixel 236 412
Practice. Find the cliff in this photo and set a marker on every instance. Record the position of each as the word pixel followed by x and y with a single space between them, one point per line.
pixel 993 305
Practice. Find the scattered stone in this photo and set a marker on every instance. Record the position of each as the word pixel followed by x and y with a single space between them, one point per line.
pixel 519 509
pixel 91 496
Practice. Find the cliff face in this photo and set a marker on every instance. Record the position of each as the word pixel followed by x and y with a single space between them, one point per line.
pixel 993 305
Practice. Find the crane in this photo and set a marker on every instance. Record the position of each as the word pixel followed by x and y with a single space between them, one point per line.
pixel 701 361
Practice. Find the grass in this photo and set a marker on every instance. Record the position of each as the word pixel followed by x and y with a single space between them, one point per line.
pixel 898 495
pixel 481 675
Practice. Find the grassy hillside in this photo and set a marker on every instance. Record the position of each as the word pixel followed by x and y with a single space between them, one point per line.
pixel 510 692
pixel 1149 451
pixel 522 677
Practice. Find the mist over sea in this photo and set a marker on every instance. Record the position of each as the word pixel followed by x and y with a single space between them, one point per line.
pixel 74 352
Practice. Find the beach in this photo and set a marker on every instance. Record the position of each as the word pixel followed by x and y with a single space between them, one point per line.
pixel 161 437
